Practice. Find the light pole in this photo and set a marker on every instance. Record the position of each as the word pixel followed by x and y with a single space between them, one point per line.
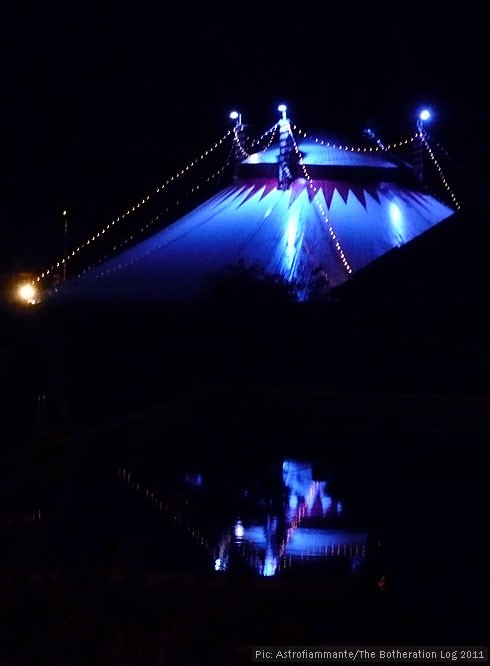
pixel 235 115
pixel 65 254
pixel 238 129
pixel 419 158
pixel 423 116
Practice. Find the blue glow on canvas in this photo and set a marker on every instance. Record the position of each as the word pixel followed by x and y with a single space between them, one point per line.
pixel 395 215
pixel 291 237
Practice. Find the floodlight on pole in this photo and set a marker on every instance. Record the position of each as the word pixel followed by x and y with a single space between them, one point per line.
pixel 235 115
pixel 282 108
pixel 424 115
pixel 238 138
pixel 27 293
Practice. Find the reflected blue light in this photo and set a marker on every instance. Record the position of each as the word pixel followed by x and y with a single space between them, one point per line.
pixel 307 530
pixel 239 529
pixel 270 565
pixel 326 504
pixel 291 235
pixel 396 215
pixel 356 563
pixel 193 479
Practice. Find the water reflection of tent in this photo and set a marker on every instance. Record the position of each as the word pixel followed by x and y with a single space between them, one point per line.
pixel 301 535
pixel 342 208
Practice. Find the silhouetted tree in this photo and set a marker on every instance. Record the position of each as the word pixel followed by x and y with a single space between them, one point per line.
pixel 241 284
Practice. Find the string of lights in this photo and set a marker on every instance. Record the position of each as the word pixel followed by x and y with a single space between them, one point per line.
pixel 169 509
pixel 268 134
pixel 132 209
pixel 254 142
pixel 142 229
pixel 272 131
pixel 140 203
pixel 322 210
pixel 357 149
pixel 423 138
pixel 421 135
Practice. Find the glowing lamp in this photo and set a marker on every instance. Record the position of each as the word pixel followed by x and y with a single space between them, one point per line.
pixel 235 115
pixel 282 108
pixel 424 115
pixel 27 293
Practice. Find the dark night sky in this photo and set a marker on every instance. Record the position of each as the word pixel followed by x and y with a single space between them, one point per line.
pixel 100 106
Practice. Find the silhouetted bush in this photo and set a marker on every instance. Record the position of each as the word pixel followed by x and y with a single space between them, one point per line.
pixel 241 284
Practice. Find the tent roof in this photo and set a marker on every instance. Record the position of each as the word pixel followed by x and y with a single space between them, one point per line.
pixel 345 211
pixel 315 153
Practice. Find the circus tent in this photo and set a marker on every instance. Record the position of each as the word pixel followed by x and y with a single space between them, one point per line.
pixel 312 211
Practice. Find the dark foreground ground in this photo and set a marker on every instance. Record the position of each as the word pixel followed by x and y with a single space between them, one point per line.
pixel 394 399
pixel 93 573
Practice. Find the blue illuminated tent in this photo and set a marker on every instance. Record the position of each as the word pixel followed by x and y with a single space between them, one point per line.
pixel 309 210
